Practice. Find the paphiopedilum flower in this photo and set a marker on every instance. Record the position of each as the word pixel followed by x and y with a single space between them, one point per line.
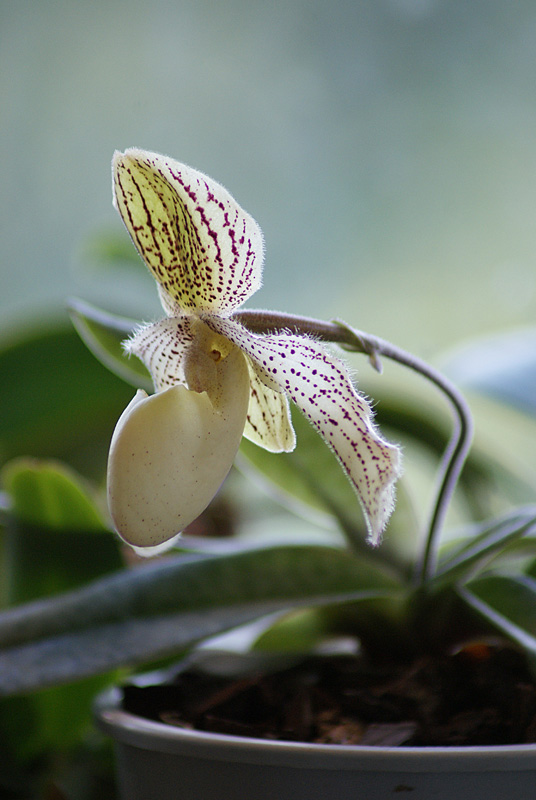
pixel 215 380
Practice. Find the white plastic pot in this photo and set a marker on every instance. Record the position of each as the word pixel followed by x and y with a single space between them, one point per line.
pixel 160 762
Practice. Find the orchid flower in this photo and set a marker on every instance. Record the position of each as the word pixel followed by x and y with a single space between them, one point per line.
pixel 215 380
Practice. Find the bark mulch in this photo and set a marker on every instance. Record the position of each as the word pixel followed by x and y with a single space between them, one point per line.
pixel 481 695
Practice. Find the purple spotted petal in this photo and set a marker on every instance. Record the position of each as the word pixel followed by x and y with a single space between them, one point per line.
pixel 268 421
pixel 321 387
pixel 162 348
pixel 204 251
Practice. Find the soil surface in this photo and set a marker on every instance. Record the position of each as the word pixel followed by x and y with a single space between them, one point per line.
pixel 482 695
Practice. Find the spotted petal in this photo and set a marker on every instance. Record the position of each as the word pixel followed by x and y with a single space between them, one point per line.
pixel 268 421
pixel 203 249
pixel 162 347
pixel 321 387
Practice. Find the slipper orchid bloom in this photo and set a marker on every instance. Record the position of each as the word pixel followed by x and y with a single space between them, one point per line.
pixel 215 380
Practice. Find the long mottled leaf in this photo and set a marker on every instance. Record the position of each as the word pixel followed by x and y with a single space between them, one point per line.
pixel 155 610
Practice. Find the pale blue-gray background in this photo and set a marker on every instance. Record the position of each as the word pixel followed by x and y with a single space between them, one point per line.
pixel 387 148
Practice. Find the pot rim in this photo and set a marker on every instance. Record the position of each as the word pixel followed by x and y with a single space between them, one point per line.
pixel 130 729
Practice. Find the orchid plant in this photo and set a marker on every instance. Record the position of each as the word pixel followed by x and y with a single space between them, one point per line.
pixel 210 375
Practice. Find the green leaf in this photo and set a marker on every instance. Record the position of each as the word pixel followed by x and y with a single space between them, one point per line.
pixel 55 536
pixel 48 722
pixel 508 604
pixel 157 609
pixel 483 542
pixel 57 400
pixel 104 333
pixel 49 494
pixel 297 632
pixel 55 540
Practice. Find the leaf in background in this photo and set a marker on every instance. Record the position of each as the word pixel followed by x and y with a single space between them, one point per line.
pixel 154 610
pixel 103 333
pixel 488 482
pixel 311 476
pixel 503 366
pixel 296 632
pixel 112 250
pixel 47 723
pixel 376 624
pixel 55 538
pixel 483 542
pixel 310 473
pixel 49 494
pixel 57 400
pixel 508 604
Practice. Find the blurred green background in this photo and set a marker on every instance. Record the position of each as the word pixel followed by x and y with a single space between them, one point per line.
pixel 386 149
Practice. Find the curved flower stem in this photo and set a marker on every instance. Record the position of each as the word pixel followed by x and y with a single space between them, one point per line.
pixel 374 347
